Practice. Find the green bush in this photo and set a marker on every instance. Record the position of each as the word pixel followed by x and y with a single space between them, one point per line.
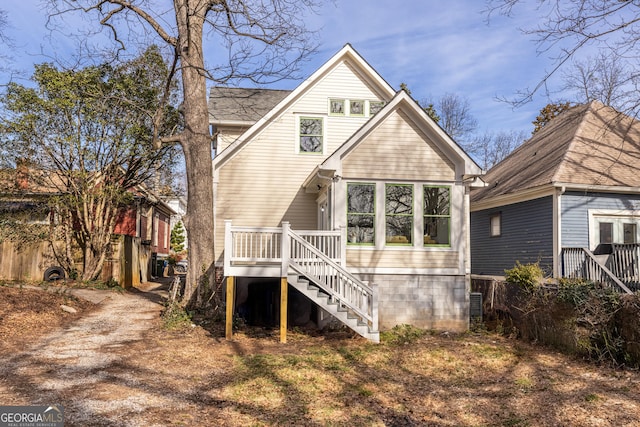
pixel 526 276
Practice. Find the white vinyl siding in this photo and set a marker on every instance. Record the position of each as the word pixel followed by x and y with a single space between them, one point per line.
pixel 261 185
pixel 398 258
pixel 226 137
pixel 398 150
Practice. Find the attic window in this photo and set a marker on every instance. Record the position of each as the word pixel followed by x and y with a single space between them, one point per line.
pixel 336 107
pixel 375 106
pixel 356 108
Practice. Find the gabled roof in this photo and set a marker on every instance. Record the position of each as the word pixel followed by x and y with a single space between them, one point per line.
pixel 589 146
pixel 347 53
pixel 465 165
pixel 237 105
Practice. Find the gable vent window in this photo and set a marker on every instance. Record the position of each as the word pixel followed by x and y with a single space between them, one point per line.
pixel 375 106
pixel 336 107
pixel 356 108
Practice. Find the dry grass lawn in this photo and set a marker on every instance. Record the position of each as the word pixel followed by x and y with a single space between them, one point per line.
pixel 191 376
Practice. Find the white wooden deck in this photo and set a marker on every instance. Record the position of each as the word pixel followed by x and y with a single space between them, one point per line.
pixel 314 261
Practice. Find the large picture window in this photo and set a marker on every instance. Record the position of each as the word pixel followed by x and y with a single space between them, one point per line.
pixel 311 134
pixel 399 213
pixel 361 216
pixel 437 215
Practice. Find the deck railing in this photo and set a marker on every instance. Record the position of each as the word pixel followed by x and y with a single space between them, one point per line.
pixel 342 287
pixel 582 263
pixel 264 245
pixel 624 262
pixel 317 255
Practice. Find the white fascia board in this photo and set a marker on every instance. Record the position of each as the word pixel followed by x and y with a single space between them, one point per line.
pixel 232 123
pixel 510 199
pixel 597 188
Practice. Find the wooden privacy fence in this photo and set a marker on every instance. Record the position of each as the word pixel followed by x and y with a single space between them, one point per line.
pixel 24 262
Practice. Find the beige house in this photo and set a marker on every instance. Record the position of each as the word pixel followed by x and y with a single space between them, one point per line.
pixel 345 194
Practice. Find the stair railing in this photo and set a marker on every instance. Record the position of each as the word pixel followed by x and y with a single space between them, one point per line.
pixel 333 279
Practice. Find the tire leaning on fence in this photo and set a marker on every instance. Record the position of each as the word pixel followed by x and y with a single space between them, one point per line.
pixel 54 273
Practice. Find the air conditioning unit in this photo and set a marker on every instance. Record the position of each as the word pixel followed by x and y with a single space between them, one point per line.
pixel 475 306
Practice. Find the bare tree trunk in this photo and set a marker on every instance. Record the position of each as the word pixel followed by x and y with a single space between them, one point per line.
pixel 196 144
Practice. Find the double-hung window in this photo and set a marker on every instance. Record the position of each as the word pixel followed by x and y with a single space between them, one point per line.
pixel 399 213
pixel 311 135
pixel 361 214
pixel 437 215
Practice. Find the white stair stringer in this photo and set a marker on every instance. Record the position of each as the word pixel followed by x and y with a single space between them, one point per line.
pixel 348 317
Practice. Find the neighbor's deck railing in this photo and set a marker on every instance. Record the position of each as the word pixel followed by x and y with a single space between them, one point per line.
pixel 582 263
pixel 625 264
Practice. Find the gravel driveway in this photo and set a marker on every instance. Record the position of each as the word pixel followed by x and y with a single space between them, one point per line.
pixel 74 366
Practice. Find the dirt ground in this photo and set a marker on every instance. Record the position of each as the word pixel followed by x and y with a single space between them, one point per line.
pixel 114 364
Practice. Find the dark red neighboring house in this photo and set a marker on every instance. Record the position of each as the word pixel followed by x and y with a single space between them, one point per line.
pixel 144 227
pixel 139 246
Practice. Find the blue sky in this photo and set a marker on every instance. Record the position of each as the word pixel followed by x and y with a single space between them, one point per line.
pixel 435 47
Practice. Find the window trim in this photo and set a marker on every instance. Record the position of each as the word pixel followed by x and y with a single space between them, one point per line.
pixel 323 136
pixel 617 216
pixel 362 102
pixel 448 217
pixel 498 216
pixel 344 109
pixel 372 103
pixel 373 214
pixel 412 215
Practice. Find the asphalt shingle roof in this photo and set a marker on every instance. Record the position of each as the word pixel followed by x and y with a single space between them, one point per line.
pixel 589 144
pixel 238 104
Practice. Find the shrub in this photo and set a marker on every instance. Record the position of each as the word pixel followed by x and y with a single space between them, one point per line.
pixel 527 276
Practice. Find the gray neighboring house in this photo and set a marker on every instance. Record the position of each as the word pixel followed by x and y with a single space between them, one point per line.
pixel 569 198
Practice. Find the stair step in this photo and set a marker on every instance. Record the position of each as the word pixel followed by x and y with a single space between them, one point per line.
pixel 332 306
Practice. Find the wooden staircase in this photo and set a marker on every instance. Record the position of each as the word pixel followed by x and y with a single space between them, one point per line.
pixel 331 287
pixel 313 262
pixel 334 307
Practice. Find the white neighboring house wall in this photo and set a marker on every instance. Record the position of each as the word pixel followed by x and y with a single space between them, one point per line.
pixel 179 205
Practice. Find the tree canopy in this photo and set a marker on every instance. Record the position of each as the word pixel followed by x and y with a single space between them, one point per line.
pixel 257 41
pixel 85 137
pixel 571 31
